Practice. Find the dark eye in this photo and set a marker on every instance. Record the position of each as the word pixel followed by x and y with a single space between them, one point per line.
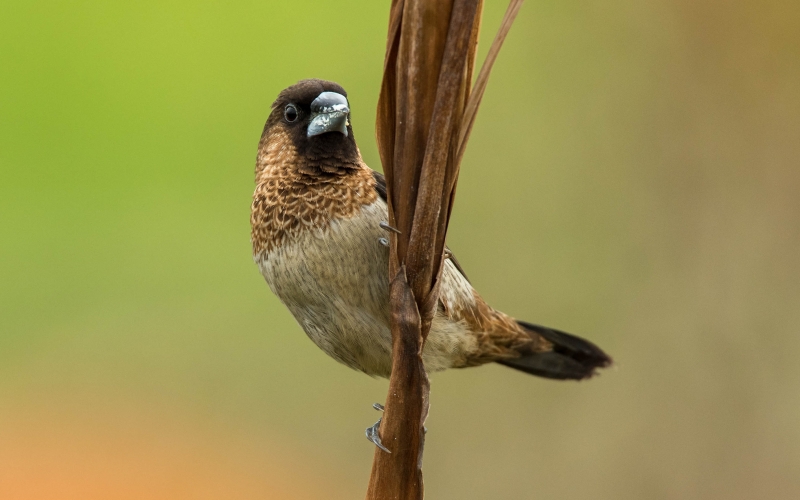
pixel 290 113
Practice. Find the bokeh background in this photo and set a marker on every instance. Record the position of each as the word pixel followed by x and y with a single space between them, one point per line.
pixel 634 177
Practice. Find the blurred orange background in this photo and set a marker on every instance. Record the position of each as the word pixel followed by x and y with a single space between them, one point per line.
pixel 633 177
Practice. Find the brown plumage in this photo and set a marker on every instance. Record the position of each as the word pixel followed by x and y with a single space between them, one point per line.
pixel 315 233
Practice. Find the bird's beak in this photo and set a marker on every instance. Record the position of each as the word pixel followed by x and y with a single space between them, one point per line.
pixel 329 113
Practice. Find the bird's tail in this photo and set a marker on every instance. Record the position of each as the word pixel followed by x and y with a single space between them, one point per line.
pixel 570 358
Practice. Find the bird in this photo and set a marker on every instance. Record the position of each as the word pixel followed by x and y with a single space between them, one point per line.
pixel 318 221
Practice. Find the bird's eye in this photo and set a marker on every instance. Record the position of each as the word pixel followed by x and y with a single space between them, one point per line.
pixel 290 113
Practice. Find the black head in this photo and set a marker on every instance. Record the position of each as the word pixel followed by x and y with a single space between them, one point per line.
pixel 315 116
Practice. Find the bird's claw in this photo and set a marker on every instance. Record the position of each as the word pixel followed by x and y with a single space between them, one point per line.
pixel 372 432
pixel 385 226
pixel 372 435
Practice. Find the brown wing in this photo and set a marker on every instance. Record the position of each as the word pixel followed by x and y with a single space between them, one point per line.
pixel 534 349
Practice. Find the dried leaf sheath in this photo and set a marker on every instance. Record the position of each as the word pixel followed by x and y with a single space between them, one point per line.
pixel 439 167
pixel 412 72
pixel 425 113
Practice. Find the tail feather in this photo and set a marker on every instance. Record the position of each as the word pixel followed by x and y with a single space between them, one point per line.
pixel 571 358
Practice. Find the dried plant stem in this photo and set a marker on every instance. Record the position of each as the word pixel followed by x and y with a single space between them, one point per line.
pixel 425 114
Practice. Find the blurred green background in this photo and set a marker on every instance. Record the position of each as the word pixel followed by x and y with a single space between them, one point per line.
pixel 634 177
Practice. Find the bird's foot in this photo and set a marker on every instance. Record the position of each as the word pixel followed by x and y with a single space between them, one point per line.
pixel 386 227
pixel 372 432
pixel 384 242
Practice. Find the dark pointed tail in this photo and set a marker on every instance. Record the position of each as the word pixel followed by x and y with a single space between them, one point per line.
pixel 571 358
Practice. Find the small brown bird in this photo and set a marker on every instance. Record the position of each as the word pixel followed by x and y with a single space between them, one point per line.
pixel 317 237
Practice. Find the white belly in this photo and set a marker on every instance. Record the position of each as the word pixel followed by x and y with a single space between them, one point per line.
pixel 335 282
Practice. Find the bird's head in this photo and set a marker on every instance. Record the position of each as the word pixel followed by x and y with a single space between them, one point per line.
pixel 311 122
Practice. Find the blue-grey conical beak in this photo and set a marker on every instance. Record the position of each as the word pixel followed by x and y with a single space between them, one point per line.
pixel 329 113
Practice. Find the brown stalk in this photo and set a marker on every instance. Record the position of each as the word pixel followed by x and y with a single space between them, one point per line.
pixel 425 114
